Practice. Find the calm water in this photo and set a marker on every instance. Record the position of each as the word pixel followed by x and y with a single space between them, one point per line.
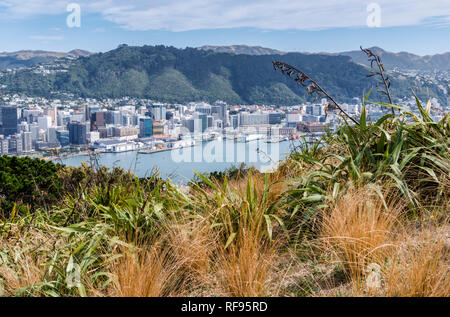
pixel 180 164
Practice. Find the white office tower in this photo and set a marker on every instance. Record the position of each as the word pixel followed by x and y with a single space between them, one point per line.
pixel 52 137
pixel 77 117
pixel 34 129
pixel 45 122
pixel 43 135
pixel 30 114
pixel 198 125
pixel 62 118
pixel 93 136
pixel 116 118
pixel 317 110
pixel 27 141
pixel 204 108
pixel 293 117
pixel 158 111
pixel 223 115
pixel 23 127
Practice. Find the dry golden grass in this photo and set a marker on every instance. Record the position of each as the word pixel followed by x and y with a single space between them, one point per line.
pixel 420 267
pixel 147 271
pixel 359 230
pixel 25 272
pixel 244 266
pixel 192 243
pixel 382 253
pixel 22 261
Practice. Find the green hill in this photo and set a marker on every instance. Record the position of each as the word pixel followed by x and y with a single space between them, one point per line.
pixel 183 75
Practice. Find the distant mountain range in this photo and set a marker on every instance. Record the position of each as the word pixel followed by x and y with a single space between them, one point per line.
pixel 242 49
pixel 27 58
pixel 404 60
pixel 182 75
pixel 400 61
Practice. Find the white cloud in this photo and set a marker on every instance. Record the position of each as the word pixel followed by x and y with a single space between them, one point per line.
pixel 176 15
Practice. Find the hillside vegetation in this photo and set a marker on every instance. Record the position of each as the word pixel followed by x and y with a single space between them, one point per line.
pixel 183 75
pixel 363 213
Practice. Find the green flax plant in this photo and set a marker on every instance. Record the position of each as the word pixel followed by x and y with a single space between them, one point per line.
pixel 407 153
pixel 228 209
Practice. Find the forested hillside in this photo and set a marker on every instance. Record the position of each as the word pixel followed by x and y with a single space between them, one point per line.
pixel 181 75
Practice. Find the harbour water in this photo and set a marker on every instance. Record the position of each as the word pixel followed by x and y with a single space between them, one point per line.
pixel 179 164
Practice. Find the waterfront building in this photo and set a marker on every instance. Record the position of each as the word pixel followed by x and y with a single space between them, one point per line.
pixel 145 127
pixel 256 118
pixel 158 127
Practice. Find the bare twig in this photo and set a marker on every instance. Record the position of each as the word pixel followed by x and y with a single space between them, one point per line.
pixel 311 86
pixel 374 58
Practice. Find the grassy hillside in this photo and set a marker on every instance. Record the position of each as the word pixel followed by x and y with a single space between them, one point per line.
pixel 364 212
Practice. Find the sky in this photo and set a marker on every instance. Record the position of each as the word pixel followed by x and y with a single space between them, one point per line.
pixel 416 26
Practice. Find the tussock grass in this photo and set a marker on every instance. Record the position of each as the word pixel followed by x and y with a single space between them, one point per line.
pixel 420 268
pixel 359 230
pixel 245 264
pixel 374 240
pixel 147 272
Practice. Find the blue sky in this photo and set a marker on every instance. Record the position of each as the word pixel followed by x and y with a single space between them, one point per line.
pixel 420 27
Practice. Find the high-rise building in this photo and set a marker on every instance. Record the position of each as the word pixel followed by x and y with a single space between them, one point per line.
pixel 158 127
pixel 125 131
pixel 158 111
pixel 27 141
pixel 222 111
pixel 234 121
pixel 77 133
pixel 15 144
pixel 274 118
pixel 203 108
pixel 200 122
pixel 169 115
pixel 317 110
pixel 4 146
pixel 34 129
pixel 63 137
pixel 145 127
pixel 45 122
pixel 51 136
pixel 23 127
pixel 116 118
pixel 99 120
pixel 253 118
pixel 52 114
pixel 188 124
pixel 309 109
pixel 8 121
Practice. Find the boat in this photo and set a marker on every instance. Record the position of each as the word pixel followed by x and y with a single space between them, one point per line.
pixel 274 140
pixel 250 137
pixel 151 151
